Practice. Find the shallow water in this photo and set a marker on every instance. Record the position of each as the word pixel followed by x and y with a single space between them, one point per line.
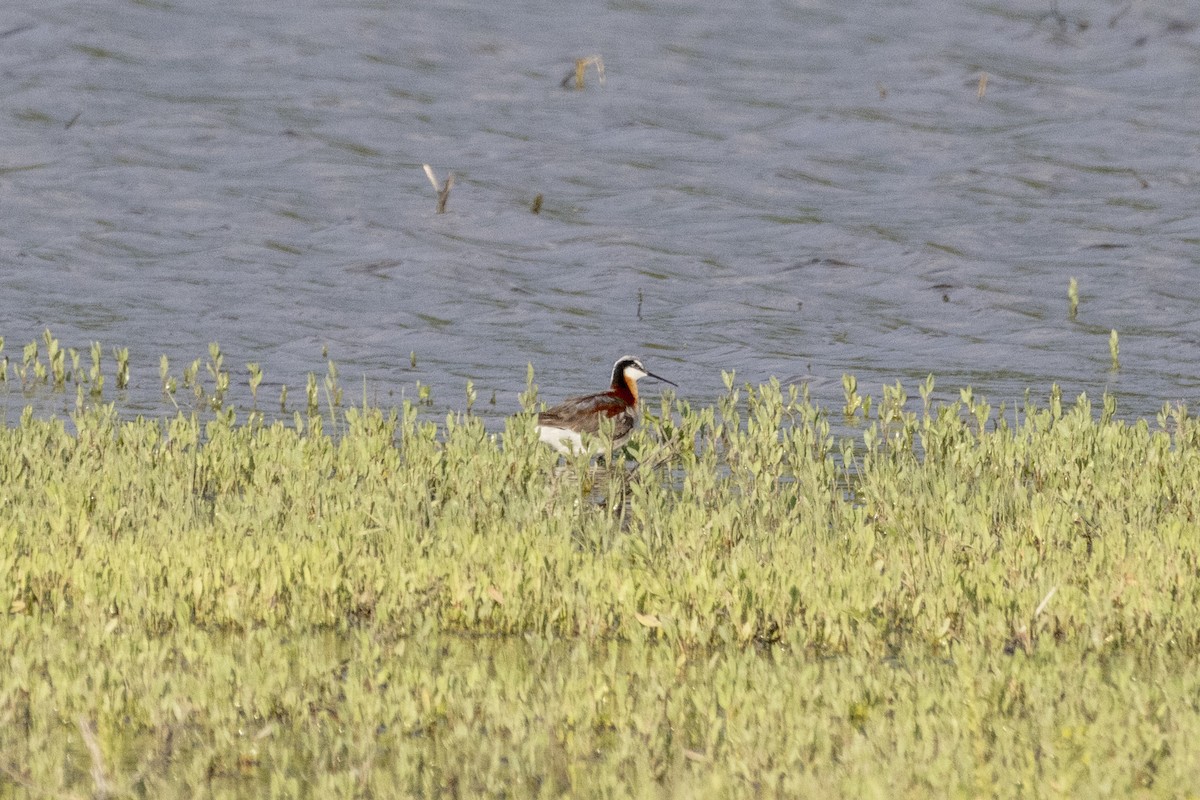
pixel 799 190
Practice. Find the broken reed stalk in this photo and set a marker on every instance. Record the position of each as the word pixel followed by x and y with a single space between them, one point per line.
pixel 443 191
pixel 581 65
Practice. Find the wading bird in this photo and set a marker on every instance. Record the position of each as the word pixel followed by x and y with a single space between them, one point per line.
pixel 561 426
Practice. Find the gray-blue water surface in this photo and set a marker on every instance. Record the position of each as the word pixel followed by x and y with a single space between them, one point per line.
pixel 798 190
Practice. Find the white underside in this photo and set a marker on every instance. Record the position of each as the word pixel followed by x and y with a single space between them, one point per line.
pixel 567 441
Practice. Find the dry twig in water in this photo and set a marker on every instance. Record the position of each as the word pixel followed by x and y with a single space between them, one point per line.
pixel 443 191
pixel 581 65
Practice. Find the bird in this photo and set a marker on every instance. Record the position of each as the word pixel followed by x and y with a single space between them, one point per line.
pixel 562 426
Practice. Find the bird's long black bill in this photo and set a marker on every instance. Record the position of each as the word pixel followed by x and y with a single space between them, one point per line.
pixel 661 378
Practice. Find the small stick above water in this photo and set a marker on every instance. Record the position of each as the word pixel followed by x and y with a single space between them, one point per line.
pixel 581 65
pixel 443 191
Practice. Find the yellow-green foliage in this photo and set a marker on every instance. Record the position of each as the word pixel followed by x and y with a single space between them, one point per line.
pixel 955 602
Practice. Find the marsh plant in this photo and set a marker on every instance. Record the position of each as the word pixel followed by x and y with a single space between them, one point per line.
pixel 959 599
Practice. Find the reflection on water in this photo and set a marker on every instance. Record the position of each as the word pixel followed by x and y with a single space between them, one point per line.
pixel 797 192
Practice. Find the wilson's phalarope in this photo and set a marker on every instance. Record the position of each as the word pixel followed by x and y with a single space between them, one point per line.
pixel 561 427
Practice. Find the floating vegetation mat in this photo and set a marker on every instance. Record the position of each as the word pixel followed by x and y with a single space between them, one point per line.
pixel 955 601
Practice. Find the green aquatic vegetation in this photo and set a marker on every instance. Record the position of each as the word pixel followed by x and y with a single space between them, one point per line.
pixel 121 354
pixel 956 599
pixel 169 384
pixel 216 370
pixel 96 373
pixel 256 376
pixel 58 360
